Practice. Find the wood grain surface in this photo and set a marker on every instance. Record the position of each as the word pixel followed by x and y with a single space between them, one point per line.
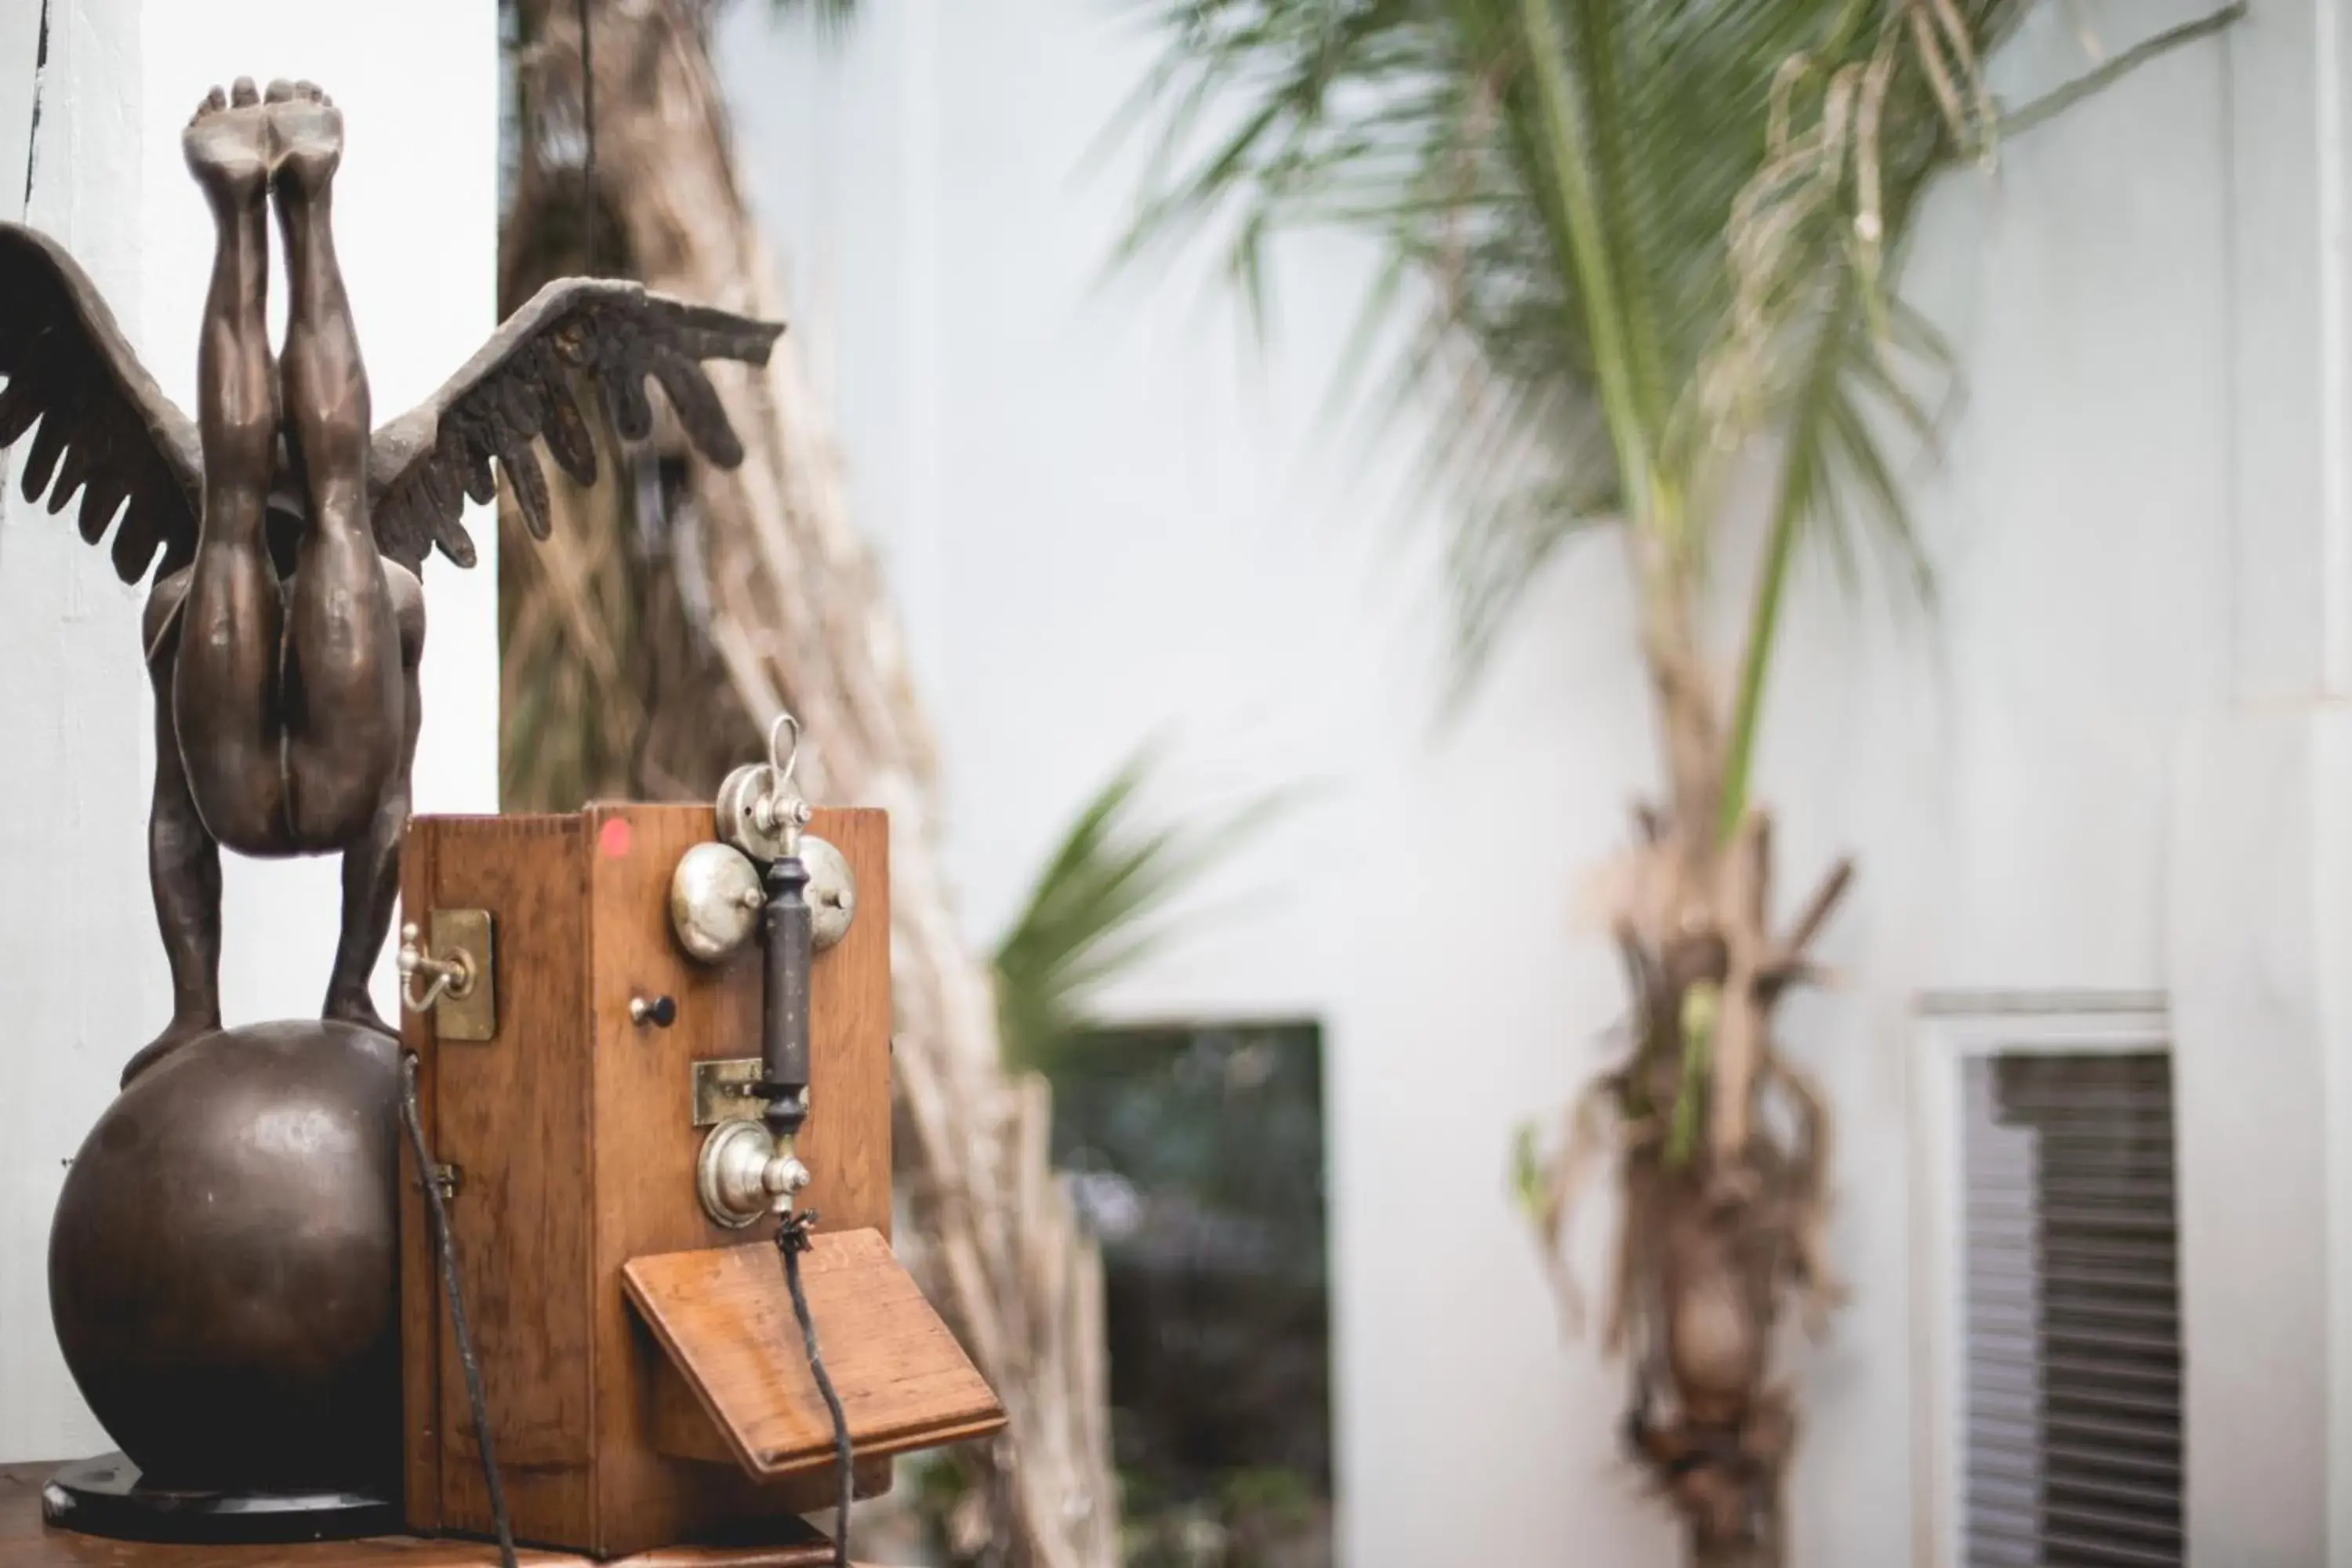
pixel 573 1132
pixel 726 1319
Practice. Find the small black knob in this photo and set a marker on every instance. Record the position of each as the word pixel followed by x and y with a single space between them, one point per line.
pixel 661 1012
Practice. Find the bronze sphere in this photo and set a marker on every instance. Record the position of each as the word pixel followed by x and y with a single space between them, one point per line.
pixel 223 1266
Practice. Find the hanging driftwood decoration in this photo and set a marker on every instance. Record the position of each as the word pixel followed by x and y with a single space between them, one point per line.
pixel 653 648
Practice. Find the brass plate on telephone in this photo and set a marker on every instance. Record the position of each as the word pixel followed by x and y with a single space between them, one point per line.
pixel 722 1090
pixel 469 1012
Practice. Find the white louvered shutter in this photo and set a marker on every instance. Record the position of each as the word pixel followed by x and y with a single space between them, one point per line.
pixel 2070 1312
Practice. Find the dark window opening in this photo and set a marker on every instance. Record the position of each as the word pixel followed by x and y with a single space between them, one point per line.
pixel 1195 1153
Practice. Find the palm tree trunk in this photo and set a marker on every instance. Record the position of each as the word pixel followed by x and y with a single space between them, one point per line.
pixel 789 612
pixel 1766 1555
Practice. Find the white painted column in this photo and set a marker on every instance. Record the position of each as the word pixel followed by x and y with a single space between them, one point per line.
pixel 2259 949
pixel 2289 507
pixel 2250 979
pixel 82 980
pixel 82 976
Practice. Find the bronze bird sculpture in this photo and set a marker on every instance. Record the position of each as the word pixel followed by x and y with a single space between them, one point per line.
pixel 286 622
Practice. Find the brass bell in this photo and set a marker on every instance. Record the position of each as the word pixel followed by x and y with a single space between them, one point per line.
pixel 715 897
pixel 714 900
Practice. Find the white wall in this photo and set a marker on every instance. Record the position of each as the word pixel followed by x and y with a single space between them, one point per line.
pixel 1108 523
pixel 82 982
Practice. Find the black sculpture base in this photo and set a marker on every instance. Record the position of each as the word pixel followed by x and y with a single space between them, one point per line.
pixel 104 1497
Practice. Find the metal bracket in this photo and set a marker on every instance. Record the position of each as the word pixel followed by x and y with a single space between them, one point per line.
pixel 722 1090
pixel 460 963
pixel 449 1179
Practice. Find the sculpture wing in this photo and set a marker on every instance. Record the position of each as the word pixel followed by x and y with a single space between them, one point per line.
pixel 106 428
pixel 525 384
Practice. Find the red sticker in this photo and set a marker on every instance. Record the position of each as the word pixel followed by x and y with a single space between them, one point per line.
pixel 614 839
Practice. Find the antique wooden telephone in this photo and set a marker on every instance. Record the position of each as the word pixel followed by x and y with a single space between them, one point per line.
pixel 580 1004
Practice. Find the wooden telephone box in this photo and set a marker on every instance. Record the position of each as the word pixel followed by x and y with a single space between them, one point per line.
pixel 645 1377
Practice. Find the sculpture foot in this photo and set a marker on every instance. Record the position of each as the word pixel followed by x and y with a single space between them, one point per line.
pixel 228 146
pixel 180 1031
pixel 306 137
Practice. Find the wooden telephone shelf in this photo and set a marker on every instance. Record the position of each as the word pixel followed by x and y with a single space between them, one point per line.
pixel 740 1389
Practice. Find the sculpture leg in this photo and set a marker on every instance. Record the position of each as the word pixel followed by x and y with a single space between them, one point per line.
pixel 371 866
pixel 346 715
pixel 225 679
pixel 183 859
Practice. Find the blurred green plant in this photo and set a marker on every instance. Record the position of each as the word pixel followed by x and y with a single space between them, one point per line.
pixel 1107 898
pixel 830 18
pixel 1264 1517
pixel 1622 237
pixel 1104 901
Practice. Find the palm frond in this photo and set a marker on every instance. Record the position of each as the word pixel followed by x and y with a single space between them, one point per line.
pixel 1558 179
pixel 832 19
pixel 1653 229
pixel 1101 905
